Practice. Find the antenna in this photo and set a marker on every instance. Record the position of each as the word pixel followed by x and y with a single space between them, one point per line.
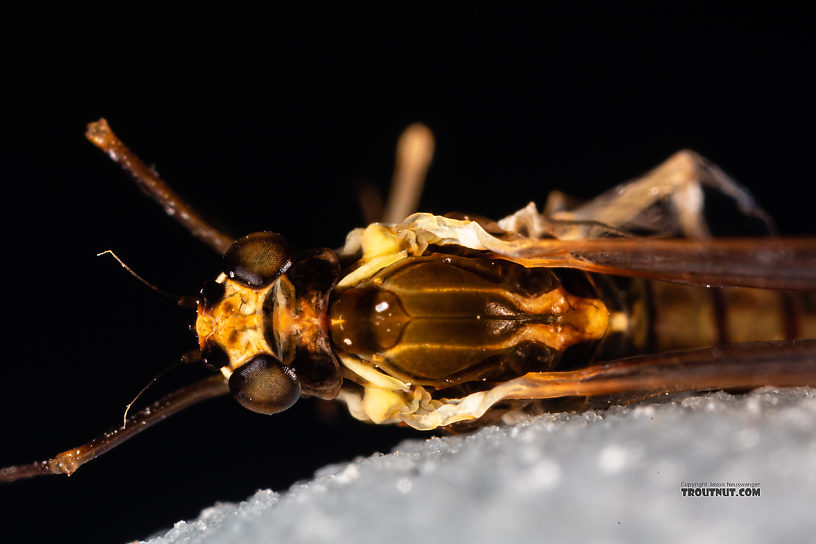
pixel 185 301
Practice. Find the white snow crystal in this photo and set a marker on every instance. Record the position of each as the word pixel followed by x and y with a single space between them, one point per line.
pixel 603 476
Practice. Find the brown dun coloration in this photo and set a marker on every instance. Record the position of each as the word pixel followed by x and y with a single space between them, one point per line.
pixel 454 321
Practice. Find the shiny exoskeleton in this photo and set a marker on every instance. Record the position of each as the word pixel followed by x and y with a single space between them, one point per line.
pixel 435 321
pixel 448 323
pixel 442 320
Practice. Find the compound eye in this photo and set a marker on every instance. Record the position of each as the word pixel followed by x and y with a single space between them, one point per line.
pixel 264 385
pixel 258 259
pixel 214 356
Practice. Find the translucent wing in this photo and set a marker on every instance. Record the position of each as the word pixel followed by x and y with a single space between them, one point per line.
pixel 746 365
pixel 770 263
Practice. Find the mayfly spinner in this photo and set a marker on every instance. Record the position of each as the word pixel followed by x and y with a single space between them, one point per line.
pixel 450 321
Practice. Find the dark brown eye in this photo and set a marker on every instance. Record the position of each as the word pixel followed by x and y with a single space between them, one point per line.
pixel 258 259
pixel 213 356
pixel 210 293
pixel 264 385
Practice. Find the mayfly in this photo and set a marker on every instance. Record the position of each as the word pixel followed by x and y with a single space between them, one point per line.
pixel 453 321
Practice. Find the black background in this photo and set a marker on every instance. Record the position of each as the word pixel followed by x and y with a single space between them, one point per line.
pixel 272 126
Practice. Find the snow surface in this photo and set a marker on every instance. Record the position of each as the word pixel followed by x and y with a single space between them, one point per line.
pixel 601 476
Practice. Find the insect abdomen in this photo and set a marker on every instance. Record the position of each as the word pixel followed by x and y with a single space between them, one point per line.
pixel 689 316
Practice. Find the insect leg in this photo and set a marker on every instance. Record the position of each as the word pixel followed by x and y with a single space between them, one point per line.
pixel 415 149
pixel 668 201
pixel 674 191
pixel 748 365
pixel 70 460
pixel 101 135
